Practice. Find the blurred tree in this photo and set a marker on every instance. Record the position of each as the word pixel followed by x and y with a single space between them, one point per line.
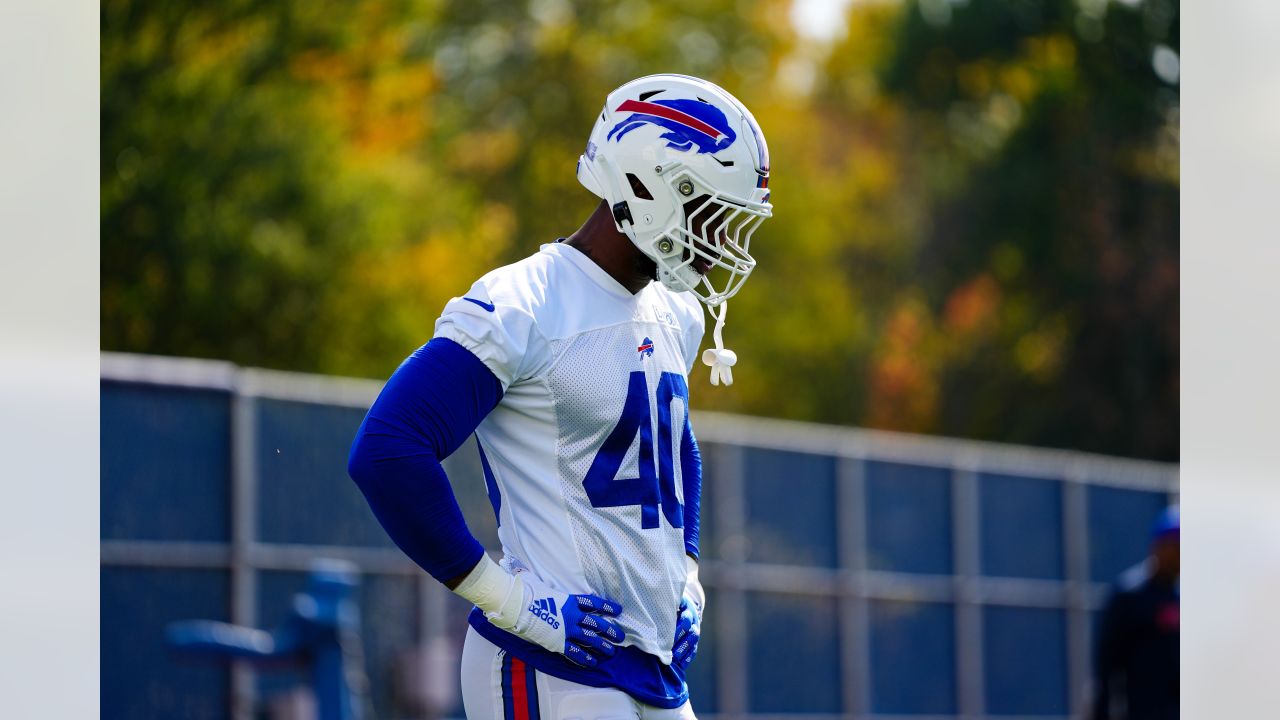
pixel 1047 142
pixel 261 200
pixel 975 202
pixel 303 185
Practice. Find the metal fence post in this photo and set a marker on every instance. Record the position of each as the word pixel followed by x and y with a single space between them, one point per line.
pixel 855 640
pixel 968 599
pixel 1075 541
pixel 731 514
pixel 244 513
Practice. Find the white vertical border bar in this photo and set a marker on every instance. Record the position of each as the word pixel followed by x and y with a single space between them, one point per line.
pixel 1075 544
pixel 855 648
pixel 968 610
pixel 731 521
pixel 244 515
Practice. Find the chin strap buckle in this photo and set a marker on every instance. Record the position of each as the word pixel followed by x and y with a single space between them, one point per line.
pixel 622 211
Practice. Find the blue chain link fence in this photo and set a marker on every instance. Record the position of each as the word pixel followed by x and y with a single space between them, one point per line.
pixel 850 573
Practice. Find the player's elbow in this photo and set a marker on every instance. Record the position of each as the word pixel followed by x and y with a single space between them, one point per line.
pixel 360 462
pixel 382 453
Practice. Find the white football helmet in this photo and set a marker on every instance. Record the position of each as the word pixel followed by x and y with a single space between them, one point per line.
pixel 685 169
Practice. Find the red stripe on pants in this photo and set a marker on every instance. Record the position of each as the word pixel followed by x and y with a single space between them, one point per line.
pixel 519 691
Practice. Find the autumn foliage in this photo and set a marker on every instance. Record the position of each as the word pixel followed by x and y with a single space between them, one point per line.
pixel 976 204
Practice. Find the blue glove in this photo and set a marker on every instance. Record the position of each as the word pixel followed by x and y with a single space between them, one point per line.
pixel 689 619
pixel 576 626
pixel 688 630
pixel 582 630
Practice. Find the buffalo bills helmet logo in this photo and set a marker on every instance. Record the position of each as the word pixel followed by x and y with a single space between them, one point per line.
pixel 689 123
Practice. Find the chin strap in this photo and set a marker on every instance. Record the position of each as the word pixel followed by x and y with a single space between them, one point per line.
pixel 720 359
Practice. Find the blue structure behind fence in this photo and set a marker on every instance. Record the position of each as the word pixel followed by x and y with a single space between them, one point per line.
pixel 875 574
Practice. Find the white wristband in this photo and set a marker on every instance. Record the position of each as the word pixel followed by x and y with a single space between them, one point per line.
pixel 692 586
pixel 495 591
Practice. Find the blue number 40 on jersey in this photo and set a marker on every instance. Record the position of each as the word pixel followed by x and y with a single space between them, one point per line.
pixel 653 489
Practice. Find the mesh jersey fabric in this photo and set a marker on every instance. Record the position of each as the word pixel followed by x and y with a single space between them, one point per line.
pixel 571 348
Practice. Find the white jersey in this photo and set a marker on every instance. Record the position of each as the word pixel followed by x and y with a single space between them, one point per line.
pixel 584 449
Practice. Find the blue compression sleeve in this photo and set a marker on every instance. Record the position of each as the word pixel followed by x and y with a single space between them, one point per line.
pixel 691 472
pixel 432 403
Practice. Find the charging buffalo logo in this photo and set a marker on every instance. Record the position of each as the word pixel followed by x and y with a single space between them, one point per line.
pixel 689 123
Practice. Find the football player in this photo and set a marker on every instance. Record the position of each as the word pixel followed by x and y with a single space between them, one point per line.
pixel 571 369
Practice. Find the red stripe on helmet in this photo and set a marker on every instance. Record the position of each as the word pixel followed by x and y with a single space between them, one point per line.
pixel 671 114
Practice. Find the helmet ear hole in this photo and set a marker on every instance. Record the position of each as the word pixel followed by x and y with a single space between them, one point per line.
pixel 638 187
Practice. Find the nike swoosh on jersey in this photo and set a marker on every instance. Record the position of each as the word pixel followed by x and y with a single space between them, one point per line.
pixel 485 305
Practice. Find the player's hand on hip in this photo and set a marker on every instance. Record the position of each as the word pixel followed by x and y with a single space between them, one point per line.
pixel 688 631
pixel 689 618
pixel 577 626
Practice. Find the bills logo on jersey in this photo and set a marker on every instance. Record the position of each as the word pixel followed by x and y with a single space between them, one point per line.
pixel 689 124
pixel 645 349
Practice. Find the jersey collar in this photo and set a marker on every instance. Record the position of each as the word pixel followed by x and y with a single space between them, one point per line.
pixel 593 271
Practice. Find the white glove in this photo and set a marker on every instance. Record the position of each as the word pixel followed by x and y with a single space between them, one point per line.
pixel 576 626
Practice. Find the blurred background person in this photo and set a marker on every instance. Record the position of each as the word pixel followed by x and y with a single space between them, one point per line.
pixel 1137 664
